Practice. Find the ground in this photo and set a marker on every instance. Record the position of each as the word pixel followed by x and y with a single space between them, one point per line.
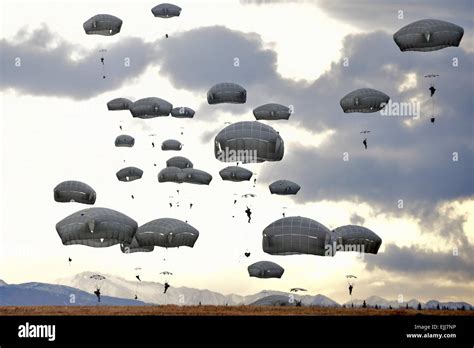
pixel 216 310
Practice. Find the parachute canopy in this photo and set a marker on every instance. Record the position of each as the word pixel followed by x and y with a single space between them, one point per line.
pixel 272 111
pixel 74 191
pixel 124 141
pixel 364 100
pixel 97 277
pixel 295 235
pixel 150 107
pixel 179 162
pixel 265 269
pixel 284 187
pixel 235 173
pixel 227 92
pixel 166 11
pixel 119 104
pixel 167 233
pixel 103 24
pixel 134 247
pixel 356 238
pixel 171 145
pixel 96 227
pixel 129 174
pixel 428 35
pixel 182 112
pixel 248 141
pixel 185 175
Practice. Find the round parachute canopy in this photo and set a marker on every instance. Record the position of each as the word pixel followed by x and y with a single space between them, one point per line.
pixel 295 235
pixel 124 141
pixel 170 174
pixel 150 107
pixel 194 176
pixel 350 276
pixel 96 227
pixel 182 112
pixel 166 11
pixel 134 247
pixel 364 100
pixel 235 174
pixel 129 174
pixel 171 145
pixel 265 269
pixel 272 111
pixel 74 191
pixel 119 104
pixel 356 238
pixel 227 92
pixel 179 162
pixel 428 35
pixel 167 233
pixel 248 142
pixel 284 187
pixel 97 277
pixel 103 24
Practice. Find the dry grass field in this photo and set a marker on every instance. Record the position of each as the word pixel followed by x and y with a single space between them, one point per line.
pixel 172 310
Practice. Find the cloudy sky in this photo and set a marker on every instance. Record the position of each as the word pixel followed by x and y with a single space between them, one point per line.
pixel 55 126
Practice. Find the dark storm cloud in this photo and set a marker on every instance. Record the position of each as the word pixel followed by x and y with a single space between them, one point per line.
pixel 414 260
pixel 48 70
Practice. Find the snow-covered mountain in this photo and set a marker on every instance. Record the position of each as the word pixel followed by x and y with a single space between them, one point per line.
pixel 2 283
pixel 384 303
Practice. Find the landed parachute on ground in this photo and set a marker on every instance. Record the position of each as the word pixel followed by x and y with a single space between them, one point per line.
pixel 356 238
pixel 134 247
pixel 124 141
pixel 226 92
pixel 428 35
pixel 119 104
pixel 272 111
pixel 129 174
pixel 179 162
pixel 295 235
pixel 171 145
pixel 265 269
pixel 96 227
pixel 150 107
pixel 235 174
pixel 182 112
pixel 103 24
pixel 166 11
pixel 284 187
pixel 167 233
pixel 74 191
pixel 247 142
pixel 364 100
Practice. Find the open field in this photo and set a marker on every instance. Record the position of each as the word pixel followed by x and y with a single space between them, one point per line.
pixel 217 311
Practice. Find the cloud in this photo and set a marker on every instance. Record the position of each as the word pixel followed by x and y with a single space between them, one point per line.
pixel 357 219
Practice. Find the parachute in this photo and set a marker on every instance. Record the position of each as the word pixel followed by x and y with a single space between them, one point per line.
pixel 169 174
pixel 96 227
pixel 235 174
pixel 124 141
pixel 186 175
pixel 364 100
pixel 74 191
pixel 167 233
pixel 98 280
pixel 134 247
pixel 182 112
pixel 297 289
pixel 356 238
pixel 428 35
pixel 119 104
pixel 265 269
pixel 171 145
pixel 284 187
pixel 103 24
pixel 129 174
pixel 272 111
pixel 295 235
pixel 150 107
pixel 248 141
pixel 226 92
pixel 179 162
pixel 166 11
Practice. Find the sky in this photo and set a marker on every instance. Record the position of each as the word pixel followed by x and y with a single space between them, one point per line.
pixel 308 54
